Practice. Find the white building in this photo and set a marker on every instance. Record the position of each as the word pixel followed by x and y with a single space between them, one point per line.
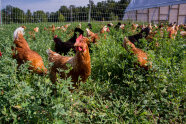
pixel 156 11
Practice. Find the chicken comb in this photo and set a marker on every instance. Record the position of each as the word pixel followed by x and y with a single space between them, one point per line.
pixel 55 36
pixel 79 38
pixel 48 51
pixel 108 30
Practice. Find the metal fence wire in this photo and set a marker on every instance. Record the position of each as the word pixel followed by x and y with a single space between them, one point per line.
pixel 17 11
pixel 59 11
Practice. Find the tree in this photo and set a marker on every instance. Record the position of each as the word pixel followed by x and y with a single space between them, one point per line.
pixel 124 1
pixel 6 14
pixel 61 18
pixel 112 17
pixel 40 16
pixel 28 16
pixel 64 9
pixel 53 17
pixel 65 12
pixel 13 15
pixel 18 15
pixel 48 16
pixel 109 10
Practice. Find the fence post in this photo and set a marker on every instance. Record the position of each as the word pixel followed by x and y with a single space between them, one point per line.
pixel 169 14
pixel 0 13
pixel 178 13
pixel 89 15
pixel 71 13
pixel 148 16
pixel 159 15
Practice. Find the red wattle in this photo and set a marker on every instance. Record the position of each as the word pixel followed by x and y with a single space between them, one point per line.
pixel 55 36
pixel 78 48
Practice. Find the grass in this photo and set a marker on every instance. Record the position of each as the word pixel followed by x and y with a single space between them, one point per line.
pixel 116 92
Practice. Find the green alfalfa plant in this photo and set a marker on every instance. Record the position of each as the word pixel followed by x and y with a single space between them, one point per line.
pixel 136 96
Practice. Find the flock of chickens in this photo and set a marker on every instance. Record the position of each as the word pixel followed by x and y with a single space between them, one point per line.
pixel 80 44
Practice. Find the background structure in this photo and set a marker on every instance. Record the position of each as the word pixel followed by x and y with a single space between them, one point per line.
pixel 59 11
pixel 157 11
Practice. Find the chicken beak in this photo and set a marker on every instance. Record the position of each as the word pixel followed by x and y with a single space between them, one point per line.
pixel 75 44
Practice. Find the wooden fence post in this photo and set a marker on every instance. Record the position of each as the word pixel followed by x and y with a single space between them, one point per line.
pixel 169 15
pixel 159 16
pixel 148 15
pixel 178 13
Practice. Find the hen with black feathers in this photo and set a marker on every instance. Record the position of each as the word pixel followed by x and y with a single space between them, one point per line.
pixel 65 47
pixel 117 26
pixel 143 34
pixel 89 26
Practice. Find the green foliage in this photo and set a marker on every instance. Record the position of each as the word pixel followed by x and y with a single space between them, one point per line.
pixel 61 18
pixel 13 15
pixel 116 92
pixel 40 16
pixel 105 10
pixel 18 15
pixel 29 16
pixel 113 17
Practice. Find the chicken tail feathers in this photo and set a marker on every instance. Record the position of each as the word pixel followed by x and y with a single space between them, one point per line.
pixel 79 30
pixel 183 33
pixel 88 31
pixel 48 51
pixel 52 56
pixel 18 31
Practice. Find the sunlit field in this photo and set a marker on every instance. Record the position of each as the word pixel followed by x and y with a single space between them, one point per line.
pixel 117 91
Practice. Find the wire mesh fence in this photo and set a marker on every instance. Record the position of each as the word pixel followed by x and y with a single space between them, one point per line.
pixel 18 11
pixel 59 11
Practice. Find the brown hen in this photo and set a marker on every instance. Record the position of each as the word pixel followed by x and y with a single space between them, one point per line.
pixel 140 54
pixel 93 36
pixel 172 30
pixel 81 67
pixel 22 53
